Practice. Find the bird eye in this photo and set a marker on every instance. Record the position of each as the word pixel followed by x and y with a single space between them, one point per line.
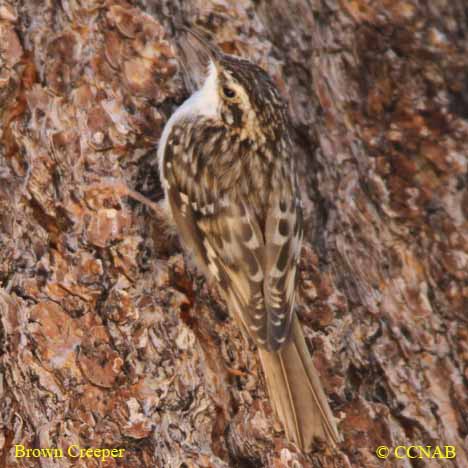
pixel 228 92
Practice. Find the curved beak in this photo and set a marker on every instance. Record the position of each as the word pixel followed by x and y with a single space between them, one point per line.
pixel 195 56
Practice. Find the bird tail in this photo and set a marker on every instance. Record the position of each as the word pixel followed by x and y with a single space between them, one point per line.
pixel 296 393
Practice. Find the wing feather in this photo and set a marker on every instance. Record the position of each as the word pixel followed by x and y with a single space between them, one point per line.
pixel 283 238
pixel 252 257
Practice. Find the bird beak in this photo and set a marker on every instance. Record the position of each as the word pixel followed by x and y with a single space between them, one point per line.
pixel 195 56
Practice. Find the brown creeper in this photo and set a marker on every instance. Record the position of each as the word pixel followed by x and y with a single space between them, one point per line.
pixel 228 172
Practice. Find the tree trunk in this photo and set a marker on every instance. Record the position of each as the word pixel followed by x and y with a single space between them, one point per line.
pixel 109 338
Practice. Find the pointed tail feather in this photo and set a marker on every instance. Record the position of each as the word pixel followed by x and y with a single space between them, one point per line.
pixel 297 394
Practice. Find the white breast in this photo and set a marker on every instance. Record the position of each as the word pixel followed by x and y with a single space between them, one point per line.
pixel 204 102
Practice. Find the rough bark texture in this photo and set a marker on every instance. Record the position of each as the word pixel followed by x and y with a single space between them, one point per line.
pixel 108 337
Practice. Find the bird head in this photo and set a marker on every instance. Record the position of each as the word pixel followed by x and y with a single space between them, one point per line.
pixel 230 88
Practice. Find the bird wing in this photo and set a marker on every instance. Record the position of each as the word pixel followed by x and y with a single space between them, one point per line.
pixel 283 240
pixel 255 267
pixel 228 245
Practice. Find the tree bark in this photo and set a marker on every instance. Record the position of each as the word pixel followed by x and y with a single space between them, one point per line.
pixel 109 338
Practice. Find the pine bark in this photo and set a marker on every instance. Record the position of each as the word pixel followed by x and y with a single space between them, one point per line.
pixel 108 335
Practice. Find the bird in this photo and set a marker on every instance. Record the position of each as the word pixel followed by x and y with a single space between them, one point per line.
pixel 227 167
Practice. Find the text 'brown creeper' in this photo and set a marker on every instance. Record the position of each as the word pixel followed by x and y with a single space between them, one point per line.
pixel 228 172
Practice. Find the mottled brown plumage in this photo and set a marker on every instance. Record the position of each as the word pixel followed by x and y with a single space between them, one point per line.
pixel 228 171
